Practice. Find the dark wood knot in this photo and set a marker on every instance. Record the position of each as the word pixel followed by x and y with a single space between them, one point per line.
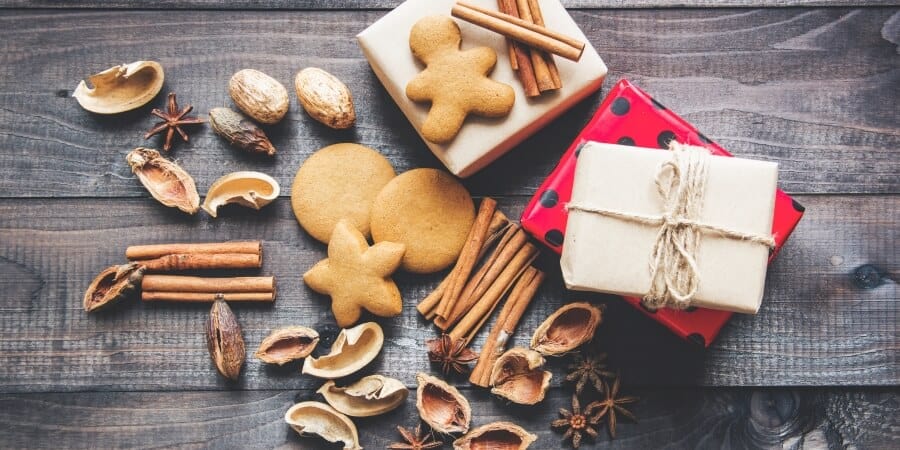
pixel 867 277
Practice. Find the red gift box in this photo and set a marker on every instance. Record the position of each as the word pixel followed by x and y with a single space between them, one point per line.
pixel 628 116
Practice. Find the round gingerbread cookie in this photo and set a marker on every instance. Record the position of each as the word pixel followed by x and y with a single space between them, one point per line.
pixel 338 182
pixel 429 212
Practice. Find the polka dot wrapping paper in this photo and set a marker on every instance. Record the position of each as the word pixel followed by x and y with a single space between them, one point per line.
pixel 629 116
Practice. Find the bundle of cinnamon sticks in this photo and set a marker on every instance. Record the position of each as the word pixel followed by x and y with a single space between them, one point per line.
pixel 495 263
pixel 215 255
pixel 531 45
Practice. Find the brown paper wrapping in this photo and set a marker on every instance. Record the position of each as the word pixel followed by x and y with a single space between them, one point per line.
pixel 611 255
pixel 480 141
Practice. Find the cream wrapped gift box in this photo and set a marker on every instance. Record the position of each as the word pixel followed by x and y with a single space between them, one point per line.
pixel 480 141
pixel 607 253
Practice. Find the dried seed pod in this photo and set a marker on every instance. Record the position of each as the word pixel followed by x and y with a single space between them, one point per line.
pixel 352 350
pixel 250 189
pixel 517 376
pixel 495 436
pixel 121 88
pixel 567 328
pixel 325 98
pixel 111 285
pixel 370 396
pixel 166 181
pixel 287 344
pixel 442 406
pixel 240 131
pixel 224 340
pixel 259 96
pixel 319 419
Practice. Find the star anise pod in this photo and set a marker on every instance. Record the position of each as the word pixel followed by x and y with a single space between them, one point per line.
pixel 611 405
pixel 576 422
pixel 589 369
pixel 449 354
pixel 415 440
pixel 172 121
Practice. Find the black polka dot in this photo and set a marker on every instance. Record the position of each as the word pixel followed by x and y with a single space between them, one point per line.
pixel 867 276
pixel 690 309
pixel 549 198
pixel 697 339
pixel 797 206
pixel 554 238
pixel 664 138
pixel 703 138
pixel 657 104
pixel 625 140
pixel 620 106
pixel 62 93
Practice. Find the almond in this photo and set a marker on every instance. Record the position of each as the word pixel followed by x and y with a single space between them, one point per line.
pixel 258 95
pixel 325 98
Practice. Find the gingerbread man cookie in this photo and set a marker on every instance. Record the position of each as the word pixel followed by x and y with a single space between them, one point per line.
pixel 357 276
pixel 454 81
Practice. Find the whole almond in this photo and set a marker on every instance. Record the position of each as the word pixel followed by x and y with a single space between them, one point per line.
pixel 325 98
pixel 225 341
pixel 259 96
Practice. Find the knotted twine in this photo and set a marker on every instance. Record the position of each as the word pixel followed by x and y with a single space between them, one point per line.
pixel 681 183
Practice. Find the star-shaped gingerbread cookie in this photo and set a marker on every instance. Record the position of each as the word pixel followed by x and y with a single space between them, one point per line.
pixel 454 81
pixel 357 276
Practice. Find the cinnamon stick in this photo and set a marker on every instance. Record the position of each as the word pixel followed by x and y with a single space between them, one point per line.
pixel 538 61
pixel 478 234
pixel 486 276
pixel 194 297
pixel 470 323
pixel 178 283
pixel 496 340
pixel 137 252
pixel 498 227
pixel 537 18
pixel 525 70
pixel 507 321
pixel 202 261
pixel 520 30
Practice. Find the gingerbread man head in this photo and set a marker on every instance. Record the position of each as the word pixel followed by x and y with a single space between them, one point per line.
pixel 454 81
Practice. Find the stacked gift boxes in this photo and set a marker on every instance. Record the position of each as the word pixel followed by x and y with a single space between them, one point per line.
pixel 629 116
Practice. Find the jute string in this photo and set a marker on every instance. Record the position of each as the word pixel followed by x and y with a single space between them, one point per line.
pixel 681 183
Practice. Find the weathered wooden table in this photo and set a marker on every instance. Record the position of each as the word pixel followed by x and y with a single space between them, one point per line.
pixel 814 87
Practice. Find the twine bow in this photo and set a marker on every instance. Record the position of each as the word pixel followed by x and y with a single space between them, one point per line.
pixel 681 183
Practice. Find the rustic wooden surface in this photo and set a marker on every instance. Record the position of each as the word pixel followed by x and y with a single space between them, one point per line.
pixel 814 89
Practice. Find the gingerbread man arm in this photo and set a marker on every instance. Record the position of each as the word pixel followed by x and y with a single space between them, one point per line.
pixel 481 59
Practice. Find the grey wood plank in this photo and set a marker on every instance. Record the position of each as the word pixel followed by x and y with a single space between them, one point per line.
pixel 388 4
pixel 668 418
pixel 820 323
pixel 785 85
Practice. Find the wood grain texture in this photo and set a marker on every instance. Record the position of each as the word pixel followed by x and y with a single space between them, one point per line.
pixel 668 418
pixel 388 4
pixel 819 324
pixel 784 85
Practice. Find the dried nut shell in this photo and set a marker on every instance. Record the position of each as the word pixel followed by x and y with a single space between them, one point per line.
pixel 315 418
pixel 352 350
pixel 370 396
pixel 259 96
pixel 442 406
pixel 250 189
pixel 495 436
pixel 224 340
pixel 287 344
pixel 121 88
pixel 166 181
pixel 517 376
pixel 111 285
pixel 567 328
pixel 325 98
pixel 240 131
